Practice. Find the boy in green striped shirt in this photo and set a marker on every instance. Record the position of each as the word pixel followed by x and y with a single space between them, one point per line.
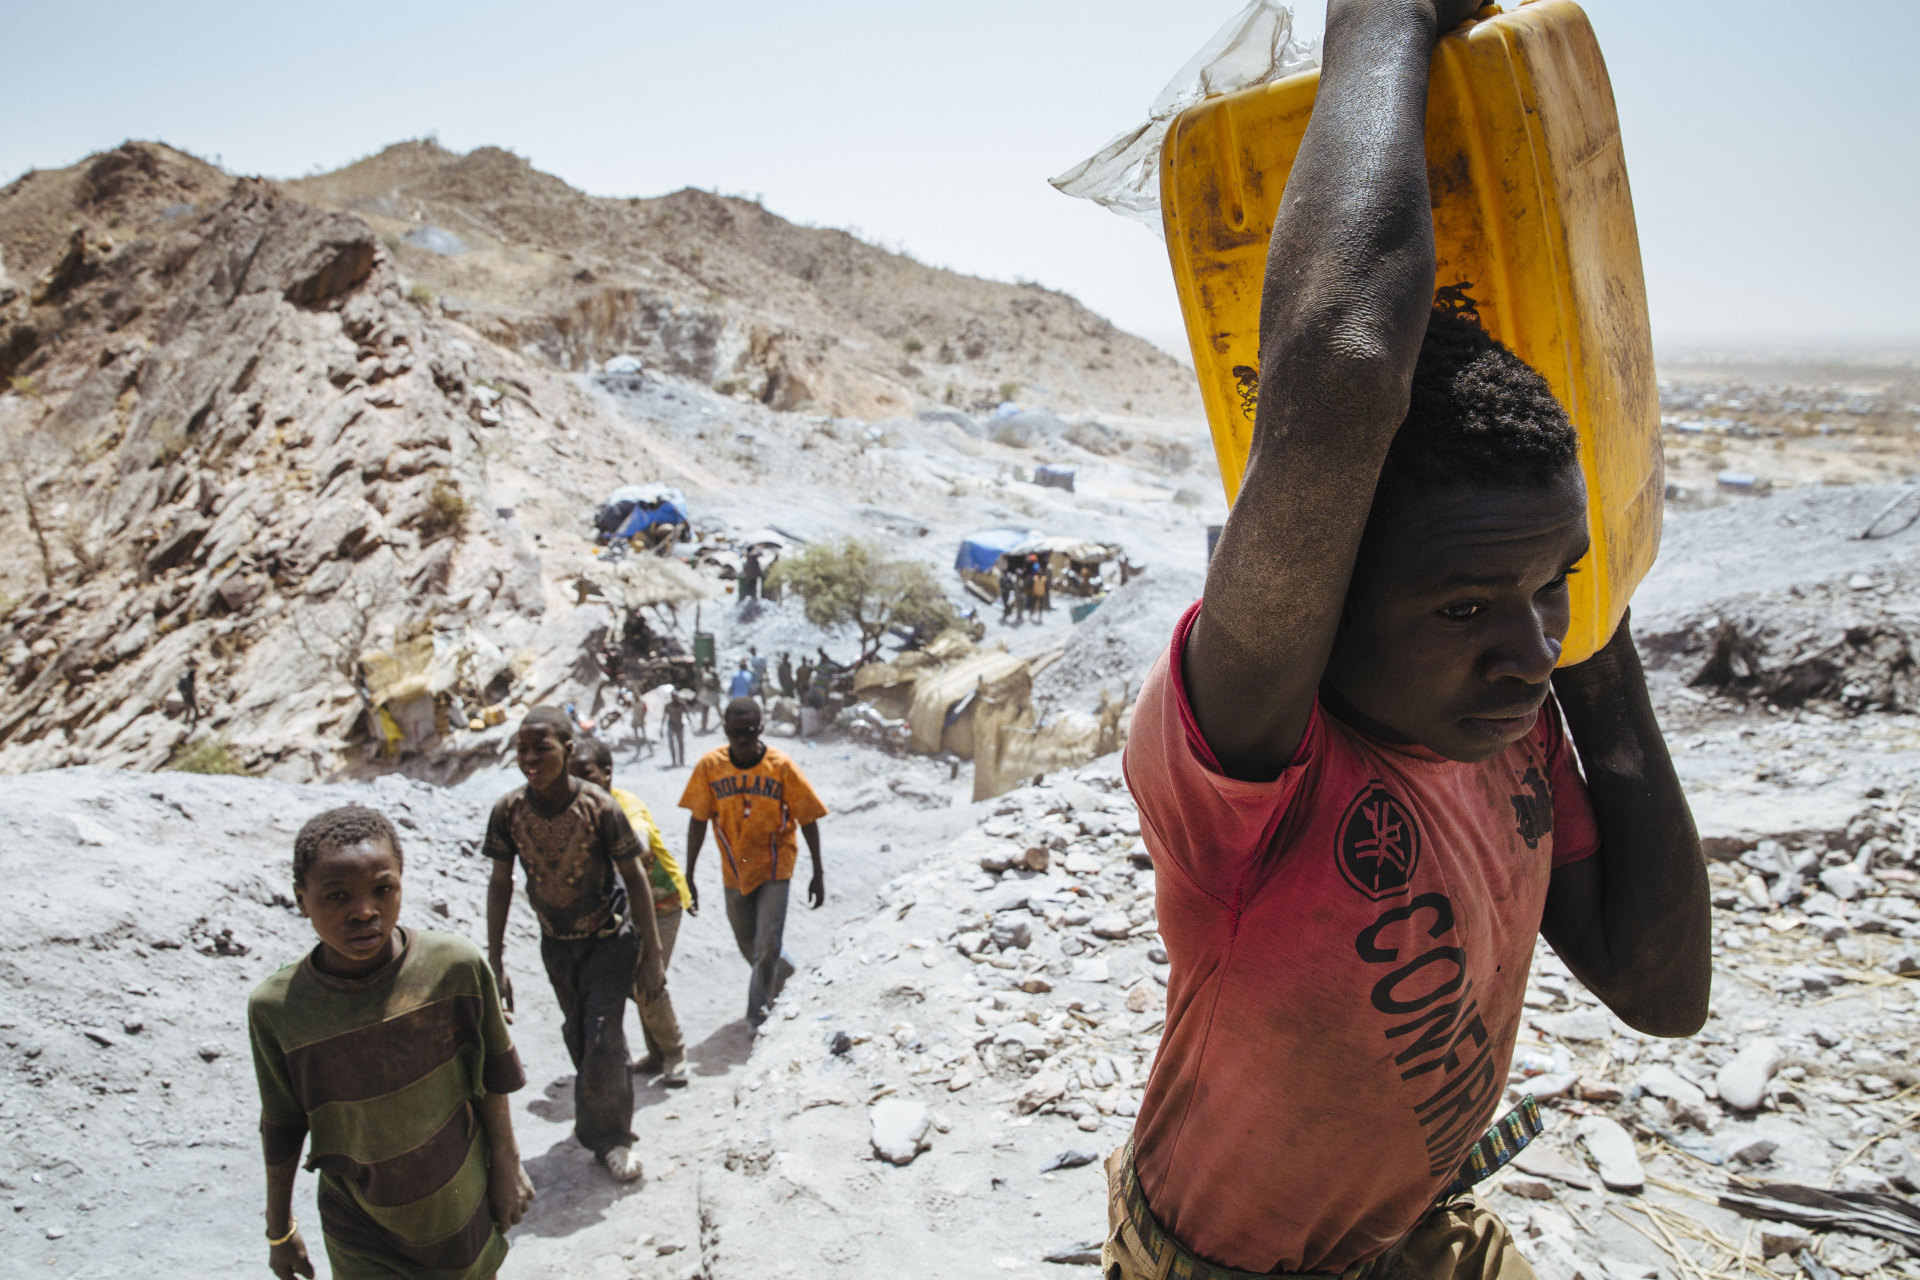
pixel 385 1053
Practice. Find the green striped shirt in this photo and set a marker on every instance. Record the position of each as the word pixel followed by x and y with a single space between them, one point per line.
pixel 381 1073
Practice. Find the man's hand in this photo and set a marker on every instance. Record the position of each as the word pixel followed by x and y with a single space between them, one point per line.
pixel 1448 14
pixel 289 1258
pixel 509 1192
pixel 650 977
pixel 501 980
pixel 817 889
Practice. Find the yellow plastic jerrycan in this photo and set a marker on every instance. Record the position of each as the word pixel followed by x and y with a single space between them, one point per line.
pixel 1532 221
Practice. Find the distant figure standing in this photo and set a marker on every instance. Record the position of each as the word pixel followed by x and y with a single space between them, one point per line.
pixel 1009 593
pixel 757 663
pixel 787 689
pixel 676 730
pixel 750 575
pixel 709 695
pixel 741 685
pixel 803 681
pixel 188 688
pixel 756 797
pixel 1042 587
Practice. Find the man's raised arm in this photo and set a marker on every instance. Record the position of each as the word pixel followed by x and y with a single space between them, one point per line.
pixel 1348 289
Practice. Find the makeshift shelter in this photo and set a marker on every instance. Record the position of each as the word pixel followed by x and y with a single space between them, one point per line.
pixel 979 560
pixel 933 689
pixel 1073 564
pixel 637 508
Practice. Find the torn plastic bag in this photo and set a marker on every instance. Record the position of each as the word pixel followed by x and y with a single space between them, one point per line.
pixel 1258 45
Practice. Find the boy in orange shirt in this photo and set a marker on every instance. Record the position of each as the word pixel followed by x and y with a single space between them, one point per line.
pixel 756 797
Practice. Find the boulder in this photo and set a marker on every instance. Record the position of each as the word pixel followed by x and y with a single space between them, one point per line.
pixel 901 1129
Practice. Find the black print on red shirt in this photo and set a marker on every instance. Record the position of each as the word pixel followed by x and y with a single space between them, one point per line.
pixel 1434 1025
pixel 1533 809
pixel 1379 845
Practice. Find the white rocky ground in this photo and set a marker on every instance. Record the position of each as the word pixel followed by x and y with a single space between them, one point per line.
pixel 128 1097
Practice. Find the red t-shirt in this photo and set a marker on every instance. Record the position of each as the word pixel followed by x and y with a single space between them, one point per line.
pixel 1349 948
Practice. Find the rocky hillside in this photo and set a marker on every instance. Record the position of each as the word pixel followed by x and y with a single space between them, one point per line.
pixel 719 290
pixel 230 439
pixel 243 434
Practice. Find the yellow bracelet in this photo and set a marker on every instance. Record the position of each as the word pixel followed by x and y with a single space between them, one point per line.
pixel 293 1229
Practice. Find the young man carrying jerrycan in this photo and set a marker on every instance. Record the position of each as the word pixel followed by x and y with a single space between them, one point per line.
pixel 756 798
pixel 589 889
pixel 1351 767
pixel 386 1054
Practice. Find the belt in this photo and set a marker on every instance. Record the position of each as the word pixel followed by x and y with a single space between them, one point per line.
pixel 1500 1144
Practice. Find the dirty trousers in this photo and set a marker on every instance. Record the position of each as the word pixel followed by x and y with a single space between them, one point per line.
pixel 1460 1240
pixel 759 921
pixel 591 978
pixel 657 1020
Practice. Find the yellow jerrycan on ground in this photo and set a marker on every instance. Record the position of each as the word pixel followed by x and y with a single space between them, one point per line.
pixel 1532 221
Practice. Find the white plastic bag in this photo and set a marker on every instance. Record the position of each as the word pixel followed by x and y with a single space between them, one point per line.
pixel 1258 45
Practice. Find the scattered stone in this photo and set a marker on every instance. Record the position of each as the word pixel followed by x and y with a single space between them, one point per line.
pixel 1758 1151
pixel 1111 925
pixel 1156 955
pixel 900 1129
pixel 209 1051
pixel 1687 1100
pixel 1777 1238
pixel 1094 970
pixel 1856 1255
pixel 1844 883
pixel 1546 1162
pixel 1012 935
pixel 1046 1086
pixel 1583 1026
pixel 1529 1188
pixel 56 1233
pixel 1069 1159
pixel 87 831
pixel 1551 1085
pixel 1139 998
pixel 1598 1091
pixel 1612 1149
pixel 1035 986
pixel 99 1038
pixel 839 1044
pixel 1077 1255
pixel 1082 863
pixel 959 1080
pixel 1742 1082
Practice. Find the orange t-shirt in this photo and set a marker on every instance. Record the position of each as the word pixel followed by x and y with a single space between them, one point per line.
pixel 1349 948
pixel 755 813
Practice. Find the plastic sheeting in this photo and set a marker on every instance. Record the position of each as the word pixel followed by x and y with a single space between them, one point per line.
pixel 980 552
pixel 1256 46
pixel 652 504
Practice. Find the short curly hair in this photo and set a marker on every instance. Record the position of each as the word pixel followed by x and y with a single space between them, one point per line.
pixel 1478 416
pixel 349 824
pixel 553 720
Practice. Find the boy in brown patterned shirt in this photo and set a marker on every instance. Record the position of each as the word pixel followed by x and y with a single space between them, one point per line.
pixel 584 868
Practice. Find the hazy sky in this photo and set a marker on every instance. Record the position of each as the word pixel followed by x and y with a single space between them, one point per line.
pixel 1774 155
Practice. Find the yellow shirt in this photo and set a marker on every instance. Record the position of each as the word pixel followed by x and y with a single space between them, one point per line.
pixel 669 885
pixel 755 813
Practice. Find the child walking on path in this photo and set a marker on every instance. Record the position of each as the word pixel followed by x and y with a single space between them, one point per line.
pixel 385 1053
pixel 584 867
pixel 1351 765
pixel 755 797
pixel 666 1051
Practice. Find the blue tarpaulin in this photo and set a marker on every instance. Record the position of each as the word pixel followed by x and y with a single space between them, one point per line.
pixel 979 553
pixel 666 508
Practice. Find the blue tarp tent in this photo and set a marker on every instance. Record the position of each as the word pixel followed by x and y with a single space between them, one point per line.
pixel 979 553
pixel 659 504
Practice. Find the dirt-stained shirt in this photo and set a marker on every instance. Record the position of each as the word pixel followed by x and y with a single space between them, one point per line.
pixel 754 814
pixel 569 856
pixel 1349 947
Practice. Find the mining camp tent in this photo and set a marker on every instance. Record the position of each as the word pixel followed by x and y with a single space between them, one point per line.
pixel 979 560
pixel 636 508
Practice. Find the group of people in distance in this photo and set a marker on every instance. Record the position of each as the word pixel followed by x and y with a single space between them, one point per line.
pixel 1026 588
pixel 385 1052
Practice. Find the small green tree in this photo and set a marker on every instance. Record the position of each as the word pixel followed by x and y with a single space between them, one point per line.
pixel 854 583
